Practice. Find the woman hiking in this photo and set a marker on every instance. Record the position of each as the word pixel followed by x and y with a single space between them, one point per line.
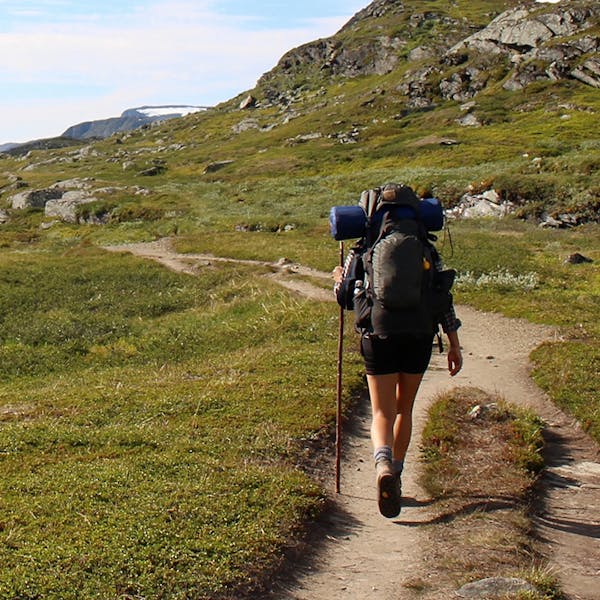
pixel 395 364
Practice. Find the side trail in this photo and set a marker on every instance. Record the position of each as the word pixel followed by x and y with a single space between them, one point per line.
pixel 367 556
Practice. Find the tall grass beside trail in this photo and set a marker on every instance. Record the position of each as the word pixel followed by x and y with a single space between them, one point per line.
pixel 151 423
pixel 522 271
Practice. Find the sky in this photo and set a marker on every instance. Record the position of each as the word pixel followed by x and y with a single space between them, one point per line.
pixel 63 62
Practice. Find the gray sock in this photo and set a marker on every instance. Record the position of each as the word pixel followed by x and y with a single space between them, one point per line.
pixel 397 466
pixel 383 453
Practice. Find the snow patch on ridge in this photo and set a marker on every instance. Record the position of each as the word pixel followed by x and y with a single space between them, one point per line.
pixel 159 111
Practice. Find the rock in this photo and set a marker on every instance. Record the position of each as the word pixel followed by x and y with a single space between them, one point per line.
pixel 532 42
pixel 15 183
pixel 217 166
pixel 78 183
pixel 548 221
pixel 495 588
pixel 486 204
pixel 475 412
pixel 84 152
pixel 521 30
pixel 156 169
pixel 303 138
pixel 463 85
pixel 248 102
pixel 62 199
pixel 560 221
pixel 469 120
pixel 588 72
pixel 34 198
pixel 66 207
pixel 492 196
pixel 577 259
pixel 3 216
pixel 245 125
pixel 421 53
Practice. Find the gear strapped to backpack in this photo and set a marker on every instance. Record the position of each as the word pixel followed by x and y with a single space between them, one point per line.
pixel 391 277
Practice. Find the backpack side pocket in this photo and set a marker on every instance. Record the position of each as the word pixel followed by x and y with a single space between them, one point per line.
pixel 362 309
pixel 352 274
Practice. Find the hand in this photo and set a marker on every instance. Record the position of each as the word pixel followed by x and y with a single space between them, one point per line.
pixel 455 360
pixel 337 274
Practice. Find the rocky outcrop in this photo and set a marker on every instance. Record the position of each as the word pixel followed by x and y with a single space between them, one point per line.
pixel 66 207
pixel 34 198
pixel 485 204
pixel 332 58
pixel 539 46
pixel 375 10
pixel 63 200
pixel 525 29
pixel 522 45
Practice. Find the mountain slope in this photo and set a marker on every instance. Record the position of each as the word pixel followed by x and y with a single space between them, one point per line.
pixel 444 96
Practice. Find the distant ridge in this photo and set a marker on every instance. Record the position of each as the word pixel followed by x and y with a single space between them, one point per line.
pixel 41 144
pixel 7 146
pixel 132 118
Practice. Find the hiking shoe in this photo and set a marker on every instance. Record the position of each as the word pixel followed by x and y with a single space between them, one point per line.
pixel 398 482
pixel 387 490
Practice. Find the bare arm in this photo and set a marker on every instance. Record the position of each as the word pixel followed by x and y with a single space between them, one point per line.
pixel 455 359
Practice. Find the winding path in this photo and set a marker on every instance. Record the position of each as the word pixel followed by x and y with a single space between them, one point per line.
pixel 367 556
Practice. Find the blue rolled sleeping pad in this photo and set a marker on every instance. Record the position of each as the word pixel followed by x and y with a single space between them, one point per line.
pixel 350 222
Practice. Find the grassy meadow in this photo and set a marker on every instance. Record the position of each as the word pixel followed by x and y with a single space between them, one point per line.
pixel 152 423
pixel 155 427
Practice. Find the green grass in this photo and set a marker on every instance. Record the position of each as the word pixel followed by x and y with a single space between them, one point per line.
pixel 151 423
pixel 520 270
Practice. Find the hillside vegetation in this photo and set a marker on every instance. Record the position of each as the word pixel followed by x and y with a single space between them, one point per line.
pixel 152 423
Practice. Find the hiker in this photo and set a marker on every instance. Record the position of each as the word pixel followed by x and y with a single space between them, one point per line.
pixel 395 364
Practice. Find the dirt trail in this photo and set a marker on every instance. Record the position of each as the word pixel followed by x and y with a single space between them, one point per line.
pixel 284 272
pixel 367 556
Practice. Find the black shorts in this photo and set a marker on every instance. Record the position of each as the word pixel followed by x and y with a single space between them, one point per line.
pixel 403 353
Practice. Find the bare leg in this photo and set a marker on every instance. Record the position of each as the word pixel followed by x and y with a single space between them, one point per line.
pixel 406 392
pixel 392 399
pixel 382 390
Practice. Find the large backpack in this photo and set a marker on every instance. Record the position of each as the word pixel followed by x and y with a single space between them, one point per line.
pixel 396 286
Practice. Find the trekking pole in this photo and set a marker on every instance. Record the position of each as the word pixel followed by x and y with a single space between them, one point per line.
pixel 338 432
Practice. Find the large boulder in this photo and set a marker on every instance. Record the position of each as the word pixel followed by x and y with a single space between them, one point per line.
pixel 34 198
pixel 66 207
pixel 522 30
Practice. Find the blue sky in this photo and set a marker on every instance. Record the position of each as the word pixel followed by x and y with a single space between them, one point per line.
pixel 66 61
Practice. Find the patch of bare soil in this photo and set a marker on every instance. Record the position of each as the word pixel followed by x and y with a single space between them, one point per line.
pixel 362 555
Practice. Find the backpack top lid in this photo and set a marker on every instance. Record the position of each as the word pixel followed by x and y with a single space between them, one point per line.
pixel 398 193
pixel 391 194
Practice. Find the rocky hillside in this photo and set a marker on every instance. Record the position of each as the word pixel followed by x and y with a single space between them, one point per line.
pixel 459 99
pixel 438 57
